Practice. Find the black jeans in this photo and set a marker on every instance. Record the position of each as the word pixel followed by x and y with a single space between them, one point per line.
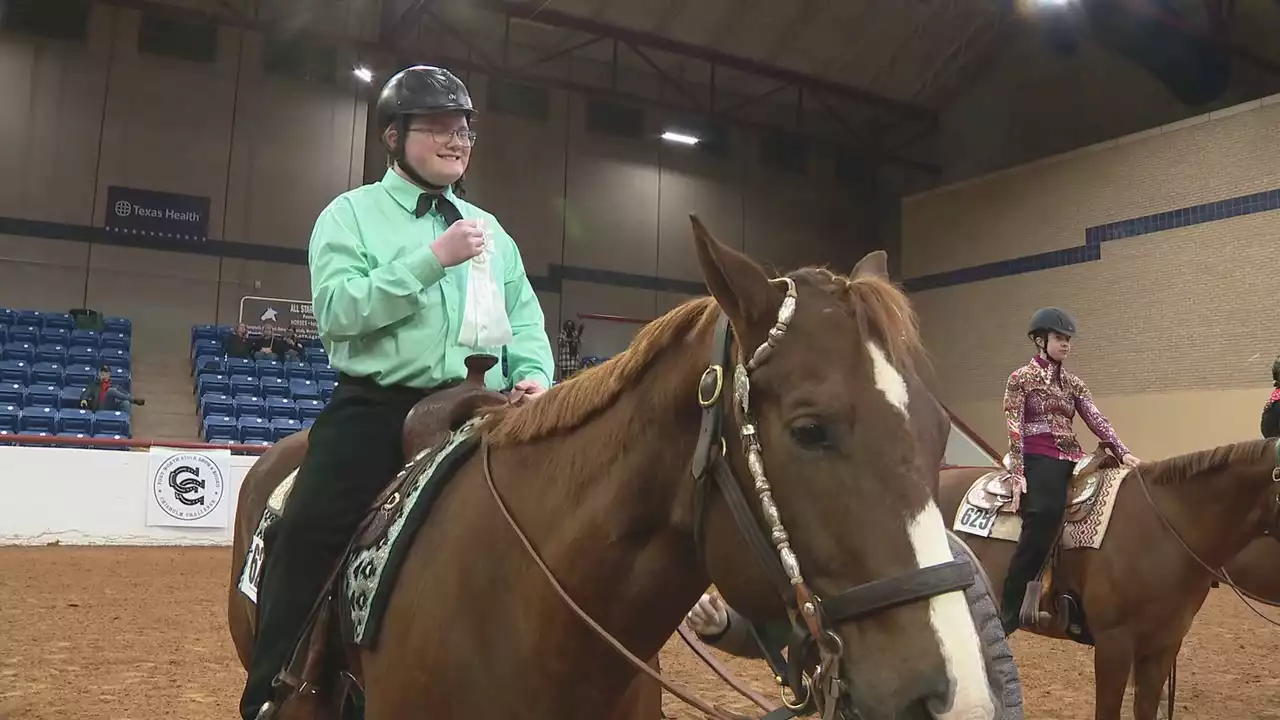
pixel 354 450
pixel 1042 508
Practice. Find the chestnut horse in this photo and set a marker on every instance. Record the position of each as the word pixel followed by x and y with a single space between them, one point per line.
pixel 599 474
pixel 1142 589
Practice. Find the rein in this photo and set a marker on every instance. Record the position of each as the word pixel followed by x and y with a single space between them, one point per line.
pixel 1272 530
pixel 813 620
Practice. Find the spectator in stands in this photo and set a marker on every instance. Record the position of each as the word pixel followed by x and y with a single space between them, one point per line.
pixel 102 395
pixel 239 345
pixel 1271 411
pixel 407 280
pixel 270 346
pixel 292 347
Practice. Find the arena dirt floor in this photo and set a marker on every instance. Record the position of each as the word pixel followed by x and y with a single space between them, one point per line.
pixel 133 633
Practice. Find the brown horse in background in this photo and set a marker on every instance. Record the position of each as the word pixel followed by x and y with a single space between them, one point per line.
pixel 597 474
pixel 1142 589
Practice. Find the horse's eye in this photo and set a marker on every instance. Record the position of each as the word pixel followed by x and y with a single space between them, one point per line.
pixel 810 435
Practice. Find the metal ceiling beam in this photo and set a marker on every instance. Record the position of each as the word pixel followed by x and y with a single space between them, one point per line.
pixel 535 13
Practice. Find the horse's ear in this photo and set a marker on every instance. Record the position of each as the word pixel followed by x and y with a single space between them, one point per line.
pixel 736 281
pixel 874 264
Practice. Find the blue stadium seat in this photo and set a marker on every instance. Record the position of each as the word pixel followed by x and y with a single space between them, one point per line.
pixel 72 435
pixel 206 347
pixel 4 334
pixel 31 318
pixel 69 398
pixel 46 396
pixel 15 371
pixel 118 324
pixel 275 387
pixel 324 372
pixel 206 364
pixel 281 408
pixel 12 394
pixel 213 404
pixel 9 415
pixel 315 356
pixel 38 419
pixel 84 338
pixel 241 366
pixel 54 336
pixel 79 375
pixel 109 436
pixel 282 428
pixel 115 357
pixel 115 422
pixel 258 443
pixel 252 428
pixel 76 421
pixel 309 409
pixel 218 427
pixel 59 320
pixel 23 334
pixel 270 369
pixel 203 332
pixel 19 350
pixel 306 424
pixel 250 406
pixel 215 384
pixel 115 340
pixel 244 385
pixel 326 389
pixel 47 374
pixel 8 317
pixel 52 353
pixel 82 355
pixel 297 371
pixel 121 378
pixel 304 390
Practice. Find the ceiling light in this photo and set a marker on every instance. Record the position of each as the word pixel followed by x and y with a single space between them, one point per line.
pixel 682 138
pixel 363 74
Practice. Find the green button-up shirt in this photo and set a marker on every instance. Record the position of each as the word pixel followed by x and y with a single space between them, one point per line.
pixel 386 309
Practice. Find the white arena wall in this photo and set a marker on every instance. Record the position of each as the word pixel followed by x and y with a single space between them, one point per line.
pixel 108 497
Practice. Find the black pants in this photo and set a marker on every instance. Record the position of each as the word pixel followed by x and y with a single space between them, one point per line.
pixel 354 450
pixel 1042 509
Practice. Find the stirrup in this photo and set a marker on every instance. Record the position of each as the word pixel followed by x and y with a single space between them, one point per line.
pixel 266 712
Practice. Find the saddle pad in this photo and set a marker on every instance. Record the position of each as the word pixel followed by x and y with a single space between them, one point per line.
pixel 369 574
pixel 1088 532
pixel 256 556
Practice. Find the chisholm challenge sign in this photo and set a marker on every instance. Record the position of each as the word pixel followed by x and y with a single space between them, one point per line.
pixel 131 211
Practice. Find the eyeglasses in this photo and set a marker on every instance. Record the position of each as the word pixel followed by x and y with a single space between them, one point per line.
pixel 465 137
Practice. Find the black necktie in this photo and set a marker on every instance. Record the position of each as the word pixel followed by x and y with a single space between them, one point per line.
pixel 446 207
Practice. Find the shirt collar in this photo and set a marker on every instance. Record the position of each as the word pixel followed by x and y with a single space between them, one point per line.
pixel 406 193
pixel 1039 360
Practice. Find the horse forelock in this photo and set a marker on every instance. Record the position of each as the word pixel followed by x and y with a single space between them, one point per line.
pixel 1182 468
pixel 574 401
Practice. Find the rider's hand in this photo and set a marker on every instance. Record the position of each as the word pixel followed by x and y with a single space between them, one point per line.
pixel 462 241
pixel 1019 486
pixel 1130 460
pixel 524 391
pixel 709 617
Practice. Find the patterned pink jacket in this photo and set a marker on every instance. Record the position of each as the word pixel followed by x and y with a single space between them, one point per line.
pixel 1040 410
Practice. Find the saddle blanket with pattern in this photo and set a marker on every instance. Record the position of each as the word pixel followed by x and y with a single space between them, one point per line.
pixel 985 511
pixel 369 573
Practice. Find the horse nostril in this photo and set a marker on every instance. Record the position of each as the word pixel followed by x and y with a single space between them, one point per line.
pixel 938 694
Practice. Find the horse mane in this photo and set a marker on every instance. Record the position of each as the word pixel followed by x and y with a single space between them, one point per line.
pixel 1181 468
pixel 879 307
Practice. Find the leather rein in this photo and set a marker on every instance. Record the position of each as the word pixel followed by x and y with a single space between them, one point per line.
pixel 813 619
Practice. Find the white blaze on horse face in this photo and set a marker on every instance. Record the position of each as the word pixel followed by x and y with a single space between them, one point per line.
pixel 948 614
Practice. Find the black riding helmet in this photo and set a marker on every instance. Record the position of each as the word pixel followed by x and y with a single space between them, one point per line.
pixel 1052 319
pixel 419 90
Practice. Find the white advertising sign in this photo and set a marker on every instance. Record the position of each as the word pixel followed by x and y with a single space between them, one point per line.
pixel 189 488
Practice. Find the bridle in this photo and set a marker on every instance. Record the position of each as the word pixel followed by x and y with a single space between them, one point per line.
pixel 813 620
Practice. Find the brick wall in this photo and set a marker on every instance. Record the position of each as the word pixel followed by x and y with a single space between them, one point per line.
pixel 1161 243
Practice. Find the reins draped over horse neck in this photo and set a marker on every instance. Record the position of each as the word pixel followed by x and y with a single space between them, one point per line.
pixel 813 620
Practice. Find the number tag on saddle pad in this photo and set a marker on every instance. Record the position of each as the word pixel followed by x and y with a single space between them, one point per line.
pixel 975 520
pixel 253 559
